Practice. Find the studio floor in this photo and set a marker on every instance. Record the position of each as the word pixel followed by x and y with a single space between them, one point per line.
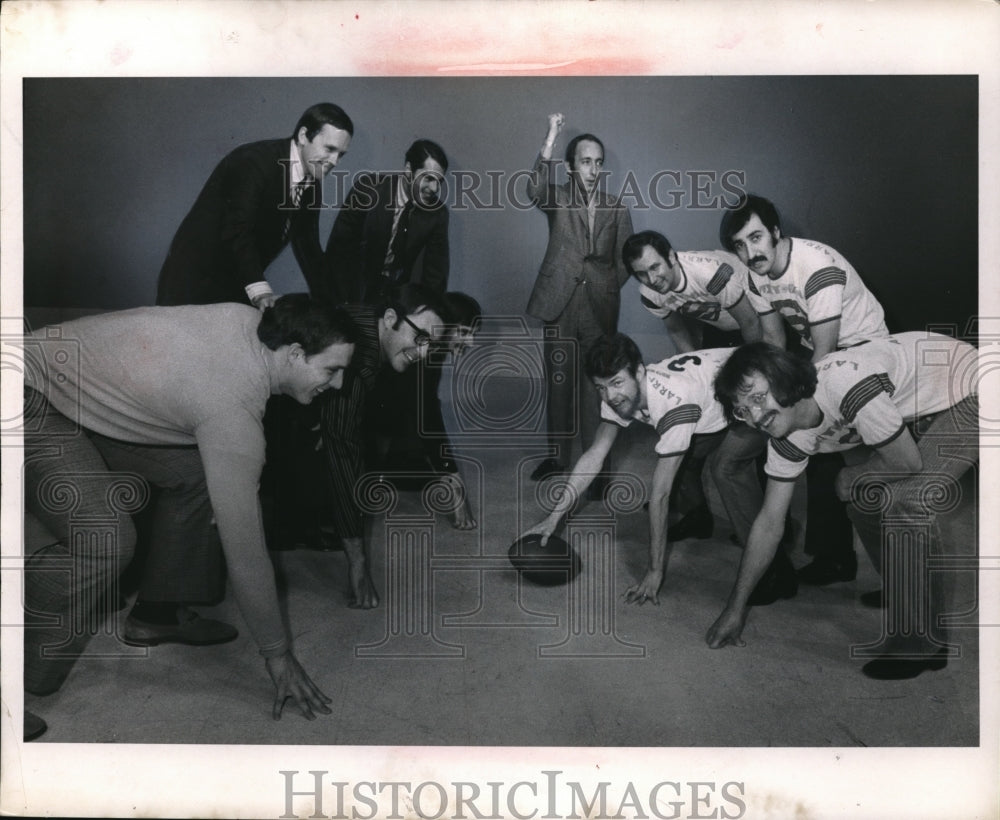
pixel 462 652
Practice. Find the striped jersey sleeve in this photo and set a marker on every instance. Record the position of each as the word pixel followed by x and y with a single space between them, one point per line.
pixel 675 429
pixel 824 294
pixel 785 459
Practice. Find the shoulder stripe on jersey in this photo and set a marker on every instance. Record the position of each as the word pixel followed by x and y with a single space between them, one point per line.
pixel 779 477
pixel 720 279
pixel 753 287
pixel 685 414
pixel 891 438
pixel 784 448
pixel 824 278
pixel 648 303
pixel 863 392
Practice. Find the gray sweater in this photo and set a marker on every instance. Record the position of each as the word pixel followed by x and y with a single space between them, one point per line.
pixel 189 375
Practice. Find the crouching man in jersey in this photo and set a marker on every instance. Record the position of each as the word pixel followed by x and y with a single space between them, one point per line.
pixel 890 405
pixel 171 397
pixel 676 397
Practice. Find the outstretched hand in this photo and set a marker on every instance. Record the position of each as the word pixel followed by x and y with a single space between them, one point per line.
pixel 646 590
pixel 362 593
pixel 544 528
pixel 727 629
pixel 291 681
pixel 461 512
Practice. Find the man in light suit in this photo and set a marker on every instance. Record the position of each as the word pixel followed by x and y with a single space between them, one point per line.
pixel 392 229
pixel 577 292
pixel 260 197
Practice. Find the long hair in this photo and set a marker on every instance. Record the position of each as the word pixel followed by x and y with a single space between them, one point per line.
pixel 789 378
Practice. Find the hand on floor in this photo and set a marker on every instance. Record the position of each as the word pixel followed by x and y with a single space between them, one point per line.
pixel 363 594
pixel 647 590
pixel 291 681
pixel 461 513
pixel 727 629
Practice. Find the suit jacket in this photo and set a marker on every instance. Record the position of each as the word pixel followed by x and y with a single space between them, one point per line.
pixel 359 240
pixel 240 222
pixel 570 261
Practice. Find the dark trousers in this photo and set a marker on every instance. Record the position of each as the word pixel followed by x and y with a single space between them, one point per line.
pixel 572 406
pixel 83 488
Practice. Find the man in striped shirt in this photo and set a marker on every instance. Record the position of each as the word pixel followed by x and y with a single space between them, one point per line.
pixel 396 336
pixel 700 295
pixel 820 295
pixel 888 406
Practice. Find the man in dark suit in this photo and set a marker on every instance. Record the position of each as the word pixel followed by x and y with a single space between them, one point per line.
pixel 577 292
pixel 392 229
pixel 259 198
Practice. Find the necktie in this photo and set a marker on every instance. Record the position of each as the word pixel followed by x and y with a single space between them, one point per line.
pixel 397 244
pixel 300 192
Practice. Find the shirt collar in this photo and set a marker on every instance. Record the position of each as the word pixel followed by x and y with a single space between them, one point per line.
pixel 298 172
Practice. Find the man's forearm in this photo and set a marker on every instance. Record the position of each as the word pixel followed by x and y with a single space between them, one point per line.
pixel 659 509
pixel 763 543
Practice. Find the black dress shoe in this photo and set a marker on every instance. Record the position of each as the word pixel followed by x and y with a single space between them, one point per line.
pixel 872 600
pixel 548 467
pixel 777 583
pixel 888 667
pixel 829 570
pixel 699 523
pixel 34 726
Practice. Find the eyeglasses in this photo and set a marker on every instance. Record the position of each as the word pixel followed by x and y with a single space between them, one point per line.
pixel 421 338
pixel 742 411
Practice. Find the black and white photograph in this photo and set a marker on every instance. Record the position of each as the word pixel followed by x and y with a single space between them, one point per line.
pixel 499 410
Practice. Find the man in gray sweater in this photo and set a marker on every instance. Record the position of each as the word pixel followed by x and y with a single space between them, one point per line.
pixel 170 397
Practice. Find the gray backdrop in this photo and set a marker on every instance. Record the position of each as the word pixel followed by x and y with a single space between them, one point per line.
pixel 884 169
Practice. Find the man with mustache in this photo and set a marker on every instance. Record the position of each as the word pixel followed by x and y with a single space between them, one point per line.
pixel 904 412
pixel 820 295
pixel 260 197
pixel 577 292
pixel 676 398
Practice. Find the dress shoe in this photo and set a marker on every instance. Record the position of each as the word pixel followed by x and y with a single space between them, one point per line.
pixel 698 523
pixel 828 569
pixel 548 467
pixel 872 600
pixel 190 629
pixel 888 667
pixel 777 582
pixel 34 726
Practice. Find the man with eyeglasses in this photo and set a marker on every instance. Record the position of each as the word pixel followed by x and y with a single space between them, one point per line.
pixel 820 295
pixel 406 424
pixel 395 336
pixel 676 398
pixel 889 405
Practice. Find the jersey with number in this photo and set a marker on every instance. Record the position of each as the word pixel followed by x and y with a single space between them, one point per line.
pixel 680 399
pixel 819 286
pixel 868 393
pixel 712 283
